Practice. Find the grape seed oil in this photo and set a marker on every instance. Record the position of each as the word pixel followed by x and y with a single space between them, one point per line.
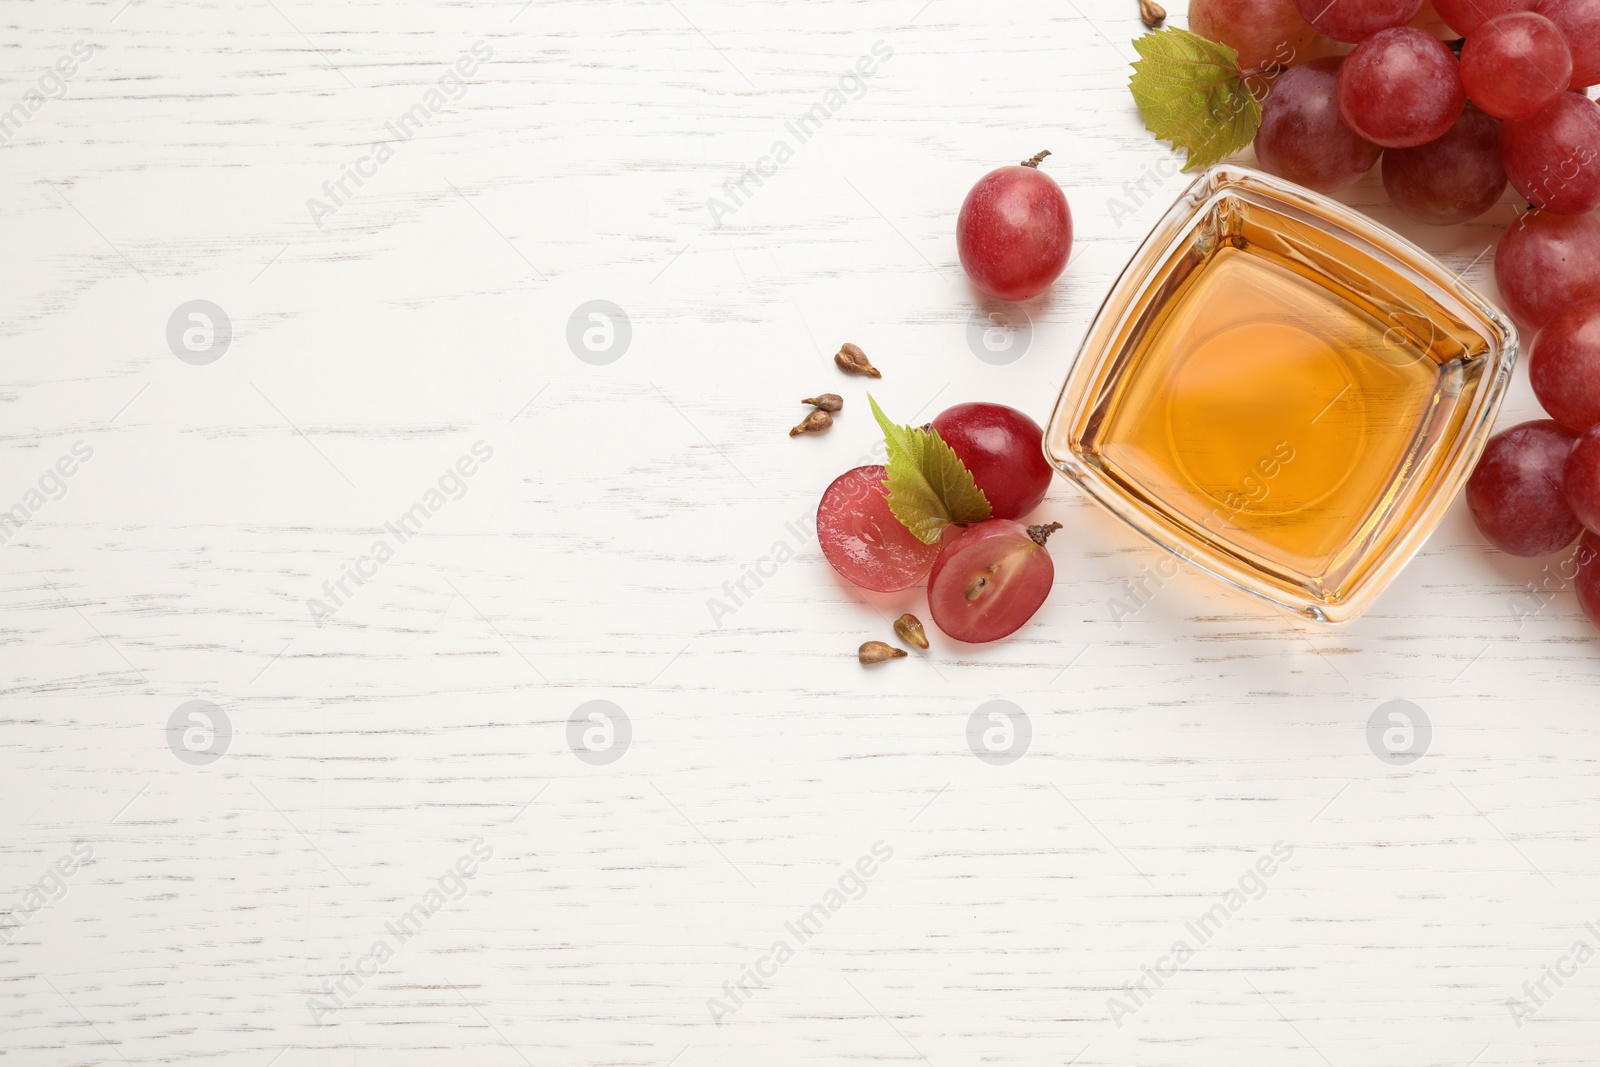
pixel 1282 399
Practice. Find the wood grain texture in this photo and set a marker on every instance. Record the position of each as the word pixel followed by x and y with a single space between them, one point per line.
pixel 1170 749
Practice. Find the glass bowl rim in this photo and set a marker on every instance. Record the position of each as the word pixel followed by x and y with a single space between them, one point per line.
pixel 1125 298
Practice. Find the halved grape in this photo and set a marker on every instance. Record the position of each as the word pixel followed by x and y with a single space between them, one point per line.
pixel 1004 450
pixel 1554 158
pixel 1565 367
pixel 1515 65
pixel 1581 478
pixel 862 538
pixel 990 579
pixel 1456 178
pixel 1356 20
pixel 1515 494
pixel 1579 21
pixel 1588 578
pixel 1401 88
pixel 1302 137
pixel 1265 33
pixel 1545 263
pixel 1464 16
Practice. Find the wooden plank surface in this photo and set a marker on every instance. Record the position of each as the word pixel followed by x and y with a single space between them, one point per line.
pixel 245 908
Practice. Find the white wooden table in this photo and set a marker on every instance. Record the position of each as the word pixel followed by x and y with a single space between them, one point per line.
pixel 374 843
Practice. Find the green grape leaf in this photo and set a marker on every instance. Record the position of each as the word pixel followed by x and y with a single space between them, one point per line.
pixel 1190 91
pixel 929 487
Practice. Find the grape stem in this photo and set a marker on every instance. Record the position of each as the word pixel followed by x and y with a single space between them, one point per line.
pixel 1036 160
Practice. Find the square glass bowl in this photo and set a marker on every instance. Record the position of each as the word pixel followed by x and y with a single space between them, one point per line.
pixel 1283 393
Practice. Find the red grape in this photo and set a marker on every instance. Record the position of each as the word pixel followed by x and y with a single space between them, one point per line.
pixel 1579 21
pixel 862 538
pixel 1302 137
pixel 1565 367
pixel 1456 178
pixel 1554 158
pixel 1004 450
pixel 1515 494
pixel 1401 88
pixel 1428 19
pixel 990 579
pixel 1464 16
pixel 1514 66
pixel 1588 577
pixel 1265 33
pixel 1356 20
pixel 1546 263
pixel 1581 478
pixel 1014 233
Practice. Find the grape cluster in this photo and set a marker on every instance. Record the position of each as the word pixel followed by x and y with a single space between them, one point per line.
pixel 1537 487
pixel 1451 131
pixel 984 579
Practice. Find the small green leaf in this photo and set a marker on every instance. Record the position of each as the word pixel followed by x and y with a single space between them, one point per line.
pixel 1190 91
pixel 929 486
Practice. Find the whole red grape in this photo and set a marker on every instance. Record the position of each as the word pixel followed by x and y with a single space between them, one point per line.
pixel 1579 21
pixel 1014 233
pixel 990 579
pixel 1545 263
pixel 1401 88
pixel 1553 159
pixel 862 538
pixel 1265 33
pixel 1356 20
pixel 1464 16
pixel 1515 494
pixel 1515 65
pixel 1588 577
pixel 1456 178
pixel 1565 366
pixel 1004 450
pixel 1581 478
pixel 1302 138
